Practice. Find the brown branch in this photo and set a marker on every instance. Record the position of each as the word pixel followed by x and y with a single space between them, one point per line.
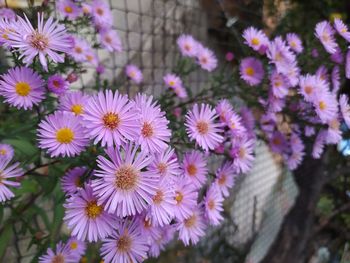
pixel 40 166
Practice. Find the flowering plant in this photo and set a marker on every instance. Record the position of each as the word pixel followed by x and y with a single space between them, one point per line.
pixel 124 172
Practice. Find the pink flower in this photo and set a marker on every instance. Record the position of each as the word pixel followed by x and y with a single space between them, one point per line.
pixel 206 59
pixel 256 39
pixel 294 42
pixel 126 244
pixel 192 228
pixel 201 127
pixel 57 84
pixel 111 40
pixel 188 45
pixel 101 14
pixel 6 151
pixel 252 71
pixel 186 196
pixel 123 186
pixel 195 168
pixel 86 218
pixel 62 134
pixel 111 118
pixel 72 181
pixel 48 39
pixel 134 73
pixel 213 205
pixel 8 172
pixel 342 29
pixel 279 85
pixel 74 101
pixel 22 87
pixel 62 253
pixel 225 178
pixel 325 33
pixel 68 9
pixel 172 80
pixel 242 151
pixel 345 108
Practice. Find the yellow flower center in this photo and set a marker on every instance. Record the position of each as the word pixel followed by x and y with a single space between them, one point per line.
pixel 334 124
pixel 93 210
pixel 74 245
pixel 22 88
pixel 191 221
pixel 65 135
pixel 178 197
pixel 250 71
pixel 124 243
pixel 293 44
pixel 132 74
pixel 77 109
pixel 5 36
pixel 126 177
pixel 343 30
pixel 171 83
pixel 3 152
pixel 158 198
pixel 255 41
pixel 192 169
pixel 147 130
pixel 78 49
pixel 68 9
pixel 111 120
pixel 322 105
pixel 202 127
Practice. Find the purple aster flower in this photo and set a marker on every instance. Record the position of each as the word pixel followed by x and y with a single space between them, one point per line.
pixel 337 57
pixel 80 49
pixel 242 151
pixel 224 109
pixel 292 73
pixel 192 228
pixel 347 65
pixel 166 164
pixel 101 14
pixel 6 26
pixel 77 247
pixel 248 120
pixel 110 40
pixel 225 178
pixel 22 87
pixel 326 106
pixel 252 71
pixel 309 131
pixel 280 54
pixel 206 58
pixel 7 13
pixel 57 84
pixel 7 172
pixel 181 92
pixel 342 29
pixel 201 126
pixel 334 134
pixel 279 85
pixel 72 181
pixel 172 80
pixel 155 134
pixel 319 144
pixel 308 86
pixel 126 244
pixel 275 104
pixel 74 101
pixel 335 79
pixel 213 205
pixel 161 209
pixel 297 152
pixel 234 122
pixel 322 73
pixel 62 134
pixel 325 33
pixel 147 228
pixel 6 151
pixel 186 196
pixel 68 9
pixel 278 142
pixel 122 185
pixel 294 42
pixel 86 218
pixel 92 58
pixel 62 253
pixel 344 108
pixel 166 235
pixel 49 39
pixel 256 39
pixel 188 45
pixel 111 118
pixel 195 168
pixel 134 73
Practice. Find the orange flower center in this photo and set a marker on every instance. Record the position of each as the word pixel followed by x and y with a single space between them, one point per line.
pixel 147 130
pixel 202 127
pixel 68 9
pixel 322 105
pixel 179 197
pixel 99 11
pixel 39 41
pixel 162 167
pixel 58 259
pixel 124 243
pixel 250 71
pixel 93 210
pixel 126 177
pixel 211 204
pixel 255 41
pixel 308 90
pixel 22 89
pixel 192 169
pixel 111 120
pixel 158 198
pixel 191 221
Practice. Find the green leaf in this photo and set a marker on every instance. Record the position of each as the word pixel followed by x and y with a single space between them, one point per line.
pixel 27 186
pixel 23 146
pixel 5 237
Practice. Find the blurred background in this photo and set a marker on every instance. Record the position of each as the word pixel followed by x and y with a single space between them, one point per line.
pixel 260 200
